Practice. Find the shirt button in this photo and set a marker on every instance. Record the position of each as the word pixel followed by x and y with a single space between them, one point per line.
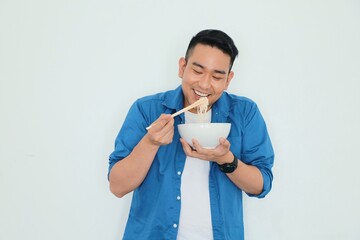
pixel 175 225
pixel 179 173
pixel 178 197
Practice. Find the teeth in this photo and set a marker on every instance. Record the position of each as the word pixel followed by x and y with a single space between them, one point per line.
pixel 201 94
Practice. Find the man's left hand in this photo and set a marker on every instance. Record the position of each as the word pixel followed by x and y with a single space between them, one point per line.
pixel 220 154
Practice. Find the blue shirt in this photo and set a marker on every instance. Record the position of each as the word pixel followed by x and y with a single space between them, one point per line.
pixel 155 208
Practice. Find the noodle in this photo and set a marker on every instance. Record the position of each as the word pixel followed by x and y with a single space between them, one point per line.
pixel 202 109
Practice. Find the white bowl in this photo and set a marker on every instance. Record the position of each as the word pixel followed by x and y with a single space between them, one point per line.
pixel 207 134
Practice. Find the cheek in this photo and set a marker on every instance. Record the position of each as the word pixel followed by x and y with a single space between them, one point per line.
pixel 189 79
pixel 185 82
pixel 219 87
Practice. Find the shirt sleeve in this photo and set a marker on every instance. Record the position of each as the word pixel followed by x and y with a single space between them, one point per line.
pixel 257 147
pixel 131 132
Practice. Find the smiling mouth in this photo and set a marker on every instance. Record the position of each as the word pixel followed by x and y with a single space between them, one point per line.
pixel 201 94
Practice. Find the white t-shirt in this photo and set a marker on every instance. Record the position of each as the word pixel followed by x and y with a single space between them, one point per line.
pixel 195 215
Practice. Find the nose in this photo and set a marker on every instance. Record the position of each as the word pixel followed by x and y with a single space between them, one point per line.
pixel 205 82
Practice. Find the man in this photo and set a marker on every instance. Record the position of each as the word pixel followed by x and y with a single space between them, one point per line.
pixel 182 192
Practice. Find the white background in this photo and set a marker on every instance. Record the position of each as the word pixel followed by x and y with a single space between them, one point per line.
pixel 69 71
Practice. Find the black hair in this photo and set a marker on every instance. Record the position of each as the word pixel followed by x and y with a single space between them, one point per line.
pixel 214 38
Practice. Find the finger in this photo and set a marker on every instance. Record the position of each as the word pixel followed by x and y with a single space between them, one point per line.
pixel 160 122
pixel 162 139
pixel 163 119
pixel 197 151
pixel 187 148
pixel 167 128
pixel 199 148
pixel 224 143
pixel 168 136
pixel 162 130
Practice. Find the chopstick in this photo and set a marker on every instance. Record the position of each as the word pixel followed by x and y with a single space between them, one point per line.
pixel 202 100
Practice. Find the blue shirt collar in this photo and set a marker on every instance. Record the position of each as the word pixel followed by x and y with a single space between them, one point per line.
pixel 221 109
pixel 174 99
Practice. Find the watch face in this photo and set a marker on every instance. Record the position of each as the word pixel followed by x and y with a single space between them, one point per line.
pixel 228 168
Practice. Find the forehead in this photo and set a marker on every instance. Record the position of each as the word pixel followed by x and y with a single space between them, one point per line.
pixel 209 57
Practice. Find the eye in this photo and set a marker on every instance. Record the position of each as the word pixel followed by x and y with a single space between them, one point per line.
pixel 196 71
pixel 217 78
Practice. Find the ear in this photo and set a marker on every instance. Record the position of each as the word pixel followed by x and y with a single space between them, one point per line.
pixel 182 65
pixel 228 80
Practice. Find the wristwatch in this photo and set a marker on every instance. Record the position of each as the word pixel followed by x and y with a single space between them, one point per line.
pixel 229 167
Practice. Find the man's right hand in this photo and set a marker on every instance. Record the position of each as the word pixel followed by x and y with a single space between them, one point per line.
pixel 162 130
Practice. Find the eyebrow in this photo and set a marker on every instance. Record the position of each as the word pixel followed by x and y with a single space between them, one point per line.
pixel 201 66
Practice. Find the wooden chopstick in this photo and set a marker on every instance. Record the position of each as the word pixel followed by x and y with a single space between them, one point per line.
pixel 195 104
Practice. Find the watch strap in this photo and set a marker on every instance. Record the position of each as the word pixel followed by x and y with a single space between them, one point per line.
pixel 229 167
